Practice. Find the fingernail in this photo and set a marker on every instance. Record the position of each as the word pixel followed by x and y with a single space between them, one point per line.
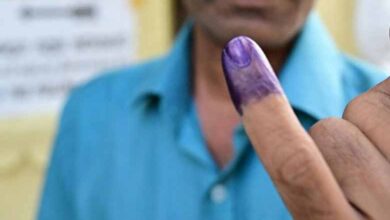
pixel 248 73
pixel 238 50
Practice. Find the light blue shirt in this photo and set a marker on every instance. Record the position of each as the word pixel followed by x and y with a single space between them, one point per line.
pixel 129 145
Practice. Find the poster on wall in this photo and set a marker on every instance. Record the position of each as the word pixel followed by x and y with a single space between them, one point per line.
pixel 372 31
pixel 47 47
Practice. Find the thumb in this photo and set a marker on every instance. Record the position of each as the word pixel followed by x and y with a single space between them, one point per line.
pixel 293 161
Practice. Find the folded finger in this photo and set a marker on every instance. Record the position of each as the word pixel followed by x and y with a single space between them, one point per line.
pixel 370 112
pixel 360 169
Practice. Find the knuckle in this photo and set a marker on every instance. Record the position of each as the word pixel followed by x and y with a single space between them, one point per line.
pixel 375 99
pixel 324 131
pixel 356 106
pixel 324 126
pixel 297 169
pixel 385 85
pixel 332 133
pixel 382 95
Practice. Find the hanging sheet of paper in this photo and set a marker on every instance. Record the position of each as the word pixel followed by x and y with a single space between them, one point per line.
pixel 372 29
pixel 47 47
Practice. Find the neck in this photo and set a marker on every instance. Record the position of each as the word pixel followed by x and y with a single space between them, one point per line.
pixel 207 69
pixel 217 115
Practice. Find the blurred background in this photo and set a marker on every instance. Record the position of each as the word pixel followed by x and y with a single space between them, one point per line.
pixel 47 47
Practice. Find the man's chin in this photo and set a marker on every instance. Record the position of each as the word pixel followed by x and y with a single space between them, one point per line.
pixel 263 38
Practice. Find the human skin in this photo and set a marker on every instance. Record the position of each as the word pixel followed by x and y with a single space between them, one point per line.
pixel 341 171
pixel 274 24
pixel 256 79
pixel 271 23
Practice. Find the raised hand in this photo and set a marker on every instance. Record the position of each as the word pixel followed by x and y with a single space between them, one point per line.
pixel 341 170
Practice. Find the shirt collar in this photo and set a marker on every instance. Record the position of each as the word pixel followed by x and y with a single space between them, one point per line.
pixel 171 81
pixel 311 77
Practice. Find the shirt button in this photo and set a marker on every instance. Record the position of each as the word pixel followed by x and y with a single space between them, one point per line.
pixel 218 194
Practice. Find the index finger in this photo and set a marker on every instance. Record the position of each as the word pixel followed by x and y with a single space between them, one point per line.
pixel 293 161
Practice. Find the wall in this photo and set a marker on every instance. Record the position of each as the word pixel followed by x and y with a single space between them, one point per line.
pixel 156 26
pixel 338 16
pixel 25 142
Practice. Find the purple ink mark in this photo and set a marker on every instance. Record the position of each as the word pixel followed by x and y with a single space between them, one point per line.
pixel 248 73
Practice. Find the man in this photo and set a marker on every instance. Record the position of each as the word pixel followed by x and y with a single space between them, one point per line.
pixel 162 140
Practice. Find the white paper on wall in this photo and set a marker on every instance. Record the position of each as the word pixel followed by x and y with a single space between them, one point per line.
pixel 47 47
pixel 372 26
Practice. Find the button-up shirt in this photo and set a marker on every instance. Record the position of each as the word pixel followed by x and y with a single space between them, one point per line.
pixel 130 145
